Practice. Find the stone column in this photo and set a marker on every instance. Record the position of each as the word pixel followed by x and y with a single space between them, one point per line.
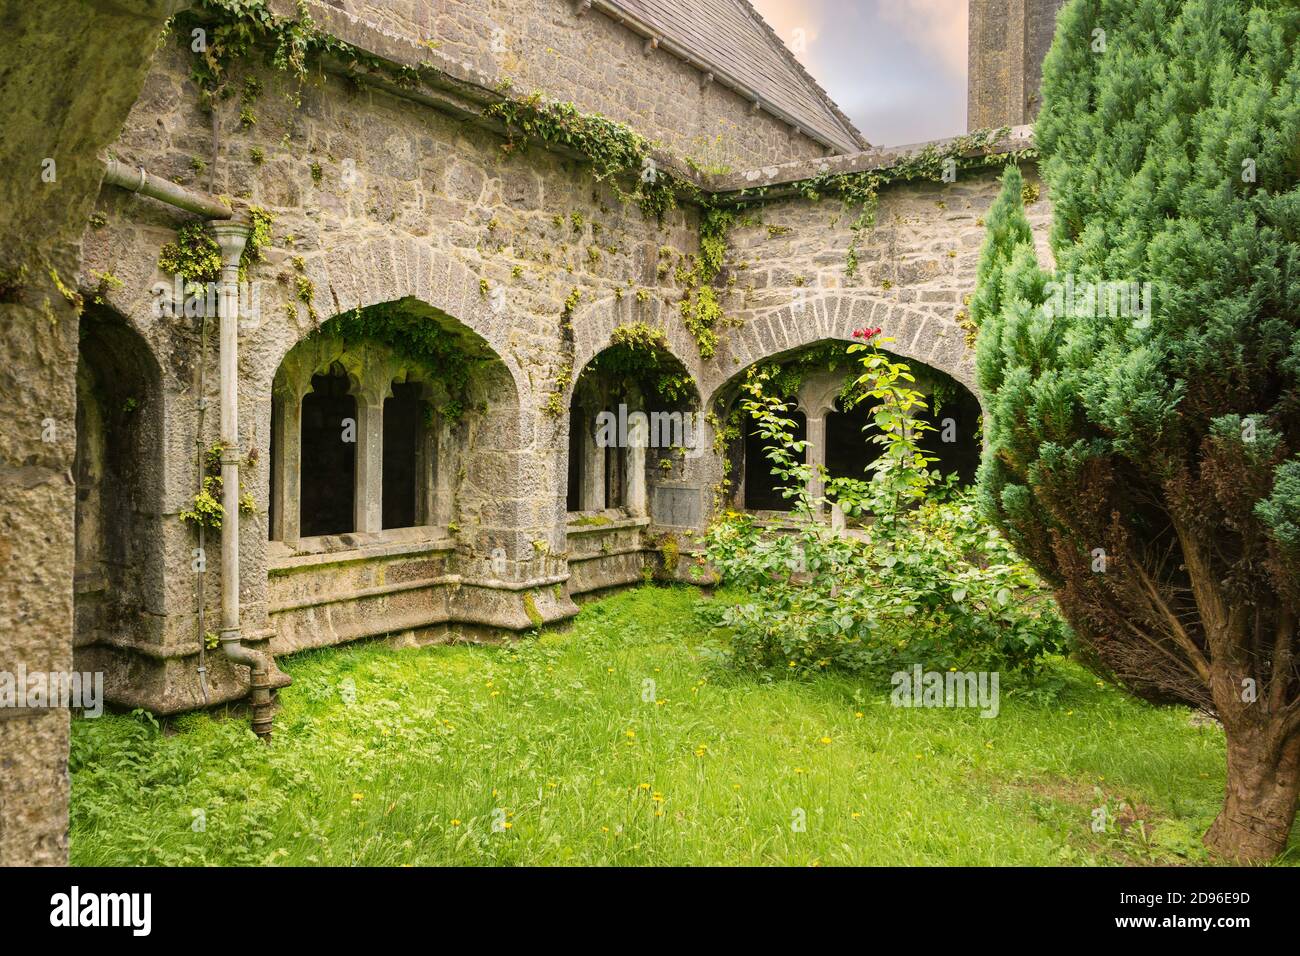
pixel 638 439
pixel 816 454
pixel 817 398
pixel 368 503
pixel 426 469
pixel 592 493
pixel 286 478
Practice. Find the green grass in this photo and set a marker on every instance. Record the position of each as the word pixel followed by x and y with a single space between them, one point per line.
pixel 554 737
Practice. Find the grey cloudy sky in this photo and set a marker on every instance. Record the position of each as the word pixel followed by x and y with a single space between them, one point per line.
pixel 896 67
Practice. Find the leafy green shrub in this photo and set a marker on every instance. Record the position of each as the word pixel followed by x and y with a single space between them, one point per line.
pixel 941 589
pixel 926 581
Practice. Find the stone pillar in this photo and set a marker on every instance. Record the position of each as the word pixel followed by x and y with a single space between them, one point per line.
pixel 816 455
pixel 286 479
pixel 592 493
pixel 638 439
pixel 426 468
pixel 817 397
pixel 374 385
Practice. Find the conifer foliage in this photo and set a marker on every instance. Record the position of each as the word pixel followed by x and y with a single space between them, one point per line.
pixel 1144 399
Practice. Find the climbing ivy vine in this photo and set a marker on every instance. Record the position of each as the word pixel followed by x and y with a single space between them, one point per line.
pixel 639 352
pixel 230 30
pixel 195 256
pixel 616 152
pixel 440 353
pixel 860 190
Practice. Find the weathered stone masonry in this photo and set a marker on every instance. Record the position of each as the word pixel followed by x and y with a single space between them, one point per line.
pixel 387 194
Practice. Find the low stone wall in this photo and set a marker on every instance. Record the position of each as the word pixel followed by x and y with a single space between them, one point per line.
pixel 606 553
pixel 398 582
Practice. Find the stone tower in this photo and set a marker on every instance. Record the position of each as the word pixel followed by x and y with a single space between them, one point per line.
pixel 1008 41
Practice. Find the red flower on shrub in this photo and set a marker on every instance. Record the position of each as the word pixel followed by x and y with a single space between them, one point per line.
pixel 867 333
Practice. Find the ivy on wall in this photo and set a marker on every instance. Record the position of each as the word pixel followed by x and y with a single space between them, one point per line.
pixel 615 151
pixel 231 30
pixel 861 190
pixel 196 257
pixel 617 154
pixel 440 353
pixel 640 353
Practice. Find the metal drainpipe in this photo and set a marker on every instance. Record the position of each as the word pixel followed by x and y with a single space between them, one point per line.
pixel 231 238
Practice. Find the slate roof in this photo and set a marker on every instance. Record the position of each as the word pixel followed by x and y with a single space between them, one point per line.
pixel 731 37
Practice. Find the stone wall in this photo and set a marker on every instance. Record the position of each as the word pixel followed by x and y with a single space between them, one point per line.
pixel 917 264
pixel 376 198
pixel 379 198
pixel 598 64
pixel 69 71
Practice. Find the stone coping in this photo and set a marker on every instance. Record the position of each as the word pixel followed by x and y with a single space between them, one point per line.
pixel 1018 138
pixel 602 524
pixel 344 548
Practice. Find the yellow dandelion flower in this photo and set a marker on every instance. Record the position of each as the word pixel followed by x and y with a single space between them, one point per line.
pixel 825 740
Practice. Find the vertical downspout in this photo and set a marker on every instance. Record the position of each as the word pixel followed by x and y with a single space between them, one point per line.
pixel 231 238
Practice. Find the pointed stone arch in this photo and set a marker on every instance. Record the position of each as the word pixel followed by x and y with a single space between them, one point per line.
pixel 378 271
pixel 918 334
pixel 594 324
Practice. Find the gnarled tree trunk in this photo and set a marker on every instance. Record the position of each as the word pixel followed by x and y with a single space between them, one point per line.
pixel 1259 805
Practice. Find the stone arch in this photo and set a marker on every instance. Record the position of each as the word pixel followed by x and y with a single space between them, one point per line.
pixel 594 325
pixel 833 429
pixel 118 470
pixel 651 423
pixel 379 271
pixel 919 335
pixel 483 409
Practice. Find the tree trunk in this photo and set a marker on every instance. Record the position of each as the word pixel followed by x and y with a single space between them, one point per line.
pixel 1260 803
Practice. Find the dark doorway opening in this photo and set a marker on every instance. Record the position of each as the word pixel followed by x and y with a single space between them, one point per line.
pixel 329 455
pixel 956 440
pixel 576 434
pixel 849 448
pixel 763 490
pixel 403 413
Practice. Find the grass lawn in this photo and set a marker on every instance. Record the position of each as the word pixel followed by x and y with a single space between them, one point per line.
pixel 387 757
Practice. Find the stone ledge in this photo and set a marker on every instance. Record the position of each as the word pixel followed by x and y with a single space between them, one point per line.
pixel 1017 139
pixel 573 528
pixel 322 551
